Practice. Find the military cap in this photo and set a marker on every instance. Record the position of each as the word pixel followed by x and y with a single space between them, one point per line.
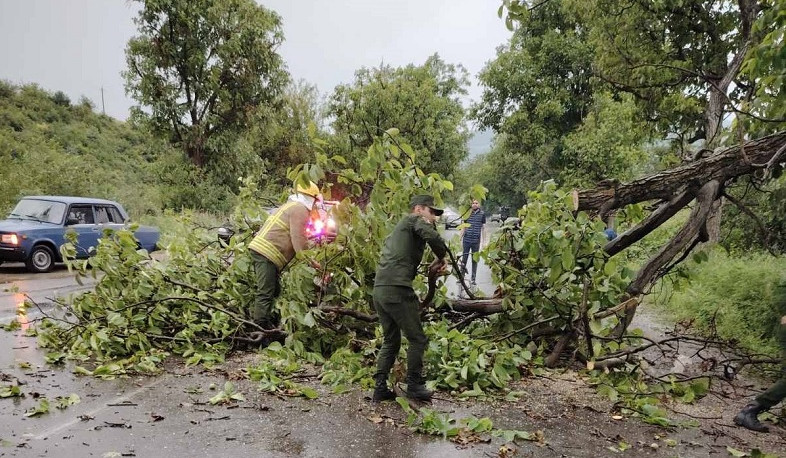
pixel 425 199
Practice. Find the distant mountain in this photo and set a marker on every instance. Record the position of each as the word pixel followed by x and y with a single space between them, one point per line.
pixel 479 142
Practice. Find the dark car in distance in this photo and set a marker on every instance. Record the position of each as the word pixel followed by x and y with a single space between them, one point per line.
pixel 450 218
pixel 35 229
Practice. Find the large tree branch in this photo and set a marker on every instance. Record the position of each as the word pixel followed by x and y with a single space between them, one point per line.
pixel 665 185
pixel 698 217
pixel 650 223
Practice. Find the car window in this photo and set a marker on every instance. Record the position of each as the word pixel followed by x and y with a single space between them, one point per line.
pixel 102 215
pixel 83 214
pixel 108 214
pixel 114 215
pixel 39 210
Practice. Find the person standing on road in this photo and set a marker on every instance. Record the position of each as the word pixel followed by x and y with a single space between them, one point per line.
pixel 471 237
pixel 748 417
pixel 397 306
pixel 281 237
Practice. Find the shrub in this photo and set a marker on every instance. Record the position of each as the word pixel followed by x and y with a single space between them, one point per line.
pixel 740 296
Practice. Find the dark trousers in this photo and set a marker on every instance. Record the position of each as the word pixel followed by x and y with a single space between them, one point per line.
pixel 777 392
pixel 398 309
pixel 263 311
pixel 470 246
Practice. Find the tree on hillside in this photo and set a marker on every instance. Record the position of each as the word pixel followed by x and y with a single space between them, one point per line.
pixel 421 101
pixel 200 68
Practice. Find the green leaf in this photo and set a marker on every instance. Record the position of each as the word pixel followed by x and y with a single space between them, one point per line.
pixel 10 391
pixel 41 408
pixel 309 393
pixel 63 402
pixel 404 404
pixel 734 452
pixel 55 358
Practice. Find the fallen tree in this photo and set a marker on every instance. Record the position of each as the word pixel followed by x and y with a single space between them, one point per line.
pixel 561 291
pixel 702 181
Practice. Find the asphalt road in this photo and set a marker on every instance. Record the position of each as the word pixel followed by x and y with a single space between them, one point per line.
pixel 16 284
pixel 167 415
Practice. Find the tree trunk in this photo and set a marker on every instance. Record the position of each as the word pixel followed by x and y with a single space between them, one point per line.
pixel 666 185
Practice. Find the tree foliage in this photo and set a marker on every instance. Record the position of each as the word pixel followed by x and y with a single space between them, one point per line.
pixel 765 65
pixel 202 68
pixel 422 102
pixel 282 138
pixel 194 303
pixel 679 58
pixel 553 118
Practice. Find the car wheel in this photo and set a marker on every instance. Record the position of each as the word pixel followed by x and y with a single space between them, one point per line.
pixel 41 259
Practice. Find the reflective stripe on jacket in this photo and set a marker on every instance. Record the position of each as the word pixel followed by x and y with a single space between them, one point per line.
pixel 283 234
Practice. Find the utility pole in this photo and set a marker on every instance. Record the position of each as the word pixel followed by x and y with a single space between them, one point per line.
pixel 103 107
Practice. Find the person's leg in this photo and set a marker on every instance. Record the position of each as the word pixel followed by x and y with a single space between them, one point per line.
pixel 465 246
pixel 748 417
pixel 390 346
pixel 263 311
pixel 777 392
pixel 408 319
pixel 475 247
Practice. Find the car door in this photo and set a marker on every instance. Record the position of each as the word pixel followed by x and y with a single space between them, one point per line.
pixel 81 219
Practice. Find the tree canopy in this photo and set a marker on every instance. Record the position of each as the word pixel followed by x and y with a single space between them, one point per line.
pixel 200 69
pixel 421 101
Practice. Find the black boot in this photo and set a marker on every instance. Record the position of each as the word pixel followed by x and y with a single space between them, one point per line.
pixel 416 389
pixel 381 390
pixel 749 417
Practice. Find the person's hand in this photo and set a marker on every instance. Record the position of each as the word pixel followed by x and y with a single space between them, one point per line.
pixel 330 235
pixel 438 267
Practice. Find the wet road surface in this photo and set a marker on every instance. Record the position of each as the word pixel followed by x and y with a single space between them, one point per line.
pixel 168 415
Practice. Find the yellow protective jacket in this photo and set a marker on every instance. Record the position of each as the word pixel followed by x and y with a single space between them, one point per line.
pixel 283 234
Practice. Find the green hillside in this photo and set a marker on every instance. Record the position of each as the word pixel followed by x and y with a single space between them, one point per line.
pixel 49 145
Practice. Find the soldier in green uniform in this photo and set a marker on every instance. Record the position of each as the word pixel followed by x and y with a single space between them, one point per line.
pixel 397 305
pixel 749 415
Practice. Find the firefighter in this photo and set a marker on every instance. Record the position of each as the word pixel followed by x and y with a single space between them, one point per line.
pixel 281 237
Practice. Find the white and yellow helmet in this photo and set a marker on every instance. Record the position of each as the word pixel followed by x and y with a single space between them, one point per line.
pixel 311 190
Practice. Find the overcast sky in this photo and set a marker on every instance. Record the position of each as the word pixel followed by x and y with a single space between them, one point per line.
pixel 78 46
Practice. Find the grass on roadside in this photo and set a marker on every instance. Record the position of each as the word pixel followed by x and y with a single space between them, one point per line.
pixel 739 296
